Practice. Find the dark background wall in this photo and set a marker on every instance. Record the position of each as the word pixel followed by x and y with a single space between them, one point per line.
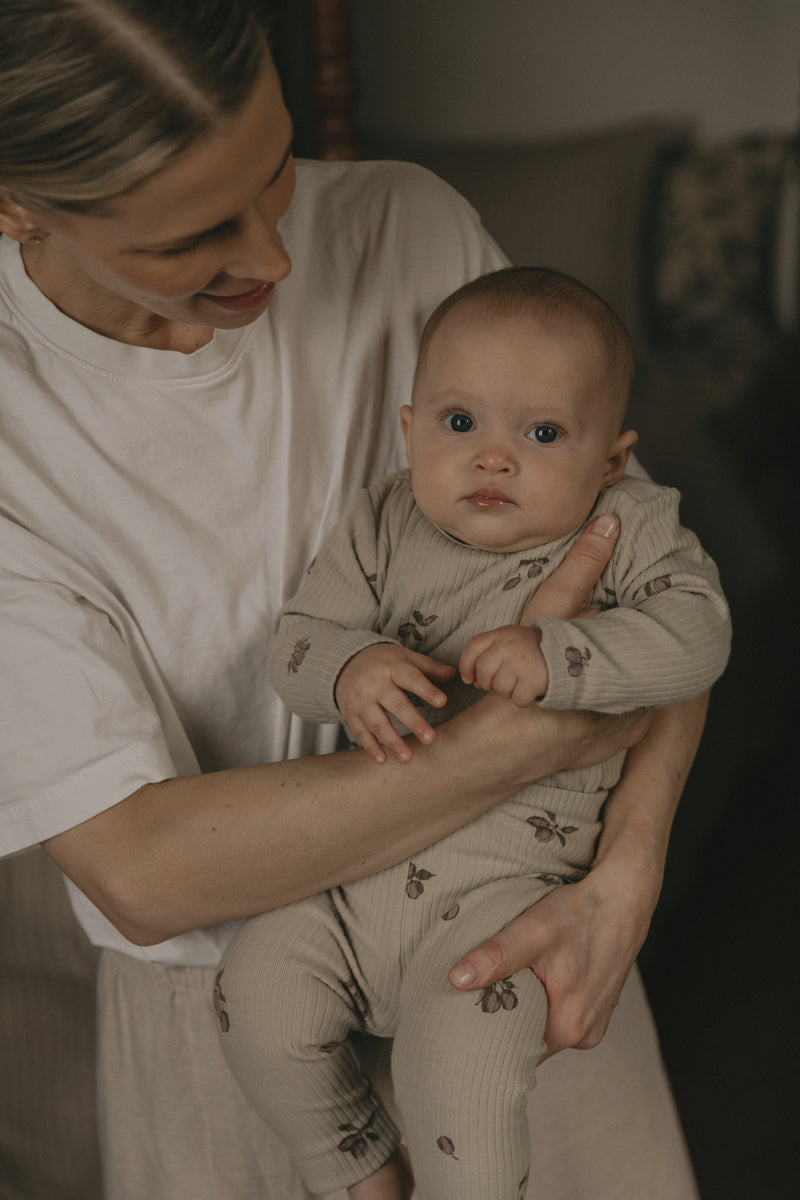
pixel 473 70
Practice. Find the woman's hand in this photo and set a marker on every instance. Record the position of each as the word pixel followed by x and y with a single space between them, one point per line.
pixel 581 941
pixel 566 593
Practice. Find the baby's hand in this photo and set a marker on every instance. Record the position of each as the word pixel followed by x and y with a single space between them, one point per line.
pixel 373 684
pixel 508 661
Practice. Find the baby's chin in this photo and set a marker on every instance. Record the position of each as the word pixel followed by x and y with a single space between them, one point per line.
pixel 498 545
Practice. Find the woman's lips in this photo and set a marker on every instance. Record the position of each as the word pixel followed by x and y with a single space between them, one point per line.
pixel 244 300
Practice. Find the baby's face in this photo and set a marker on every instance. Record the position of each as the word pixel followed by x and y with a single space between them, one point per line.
pixel 513 430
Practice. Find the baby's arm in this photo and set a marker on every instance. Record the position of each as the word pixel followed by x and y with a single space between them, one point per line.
pixel 333 614
pixel 329 660
pixel 665 636
pixel 373 685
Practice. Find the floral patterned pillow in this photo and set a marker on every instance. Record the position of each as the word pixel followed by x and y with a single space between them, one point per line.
pixel 713 244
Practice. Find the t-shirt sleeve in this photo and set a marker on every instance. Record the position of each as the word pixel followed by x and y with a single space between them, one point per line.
pixel 78 729
pixel 665 634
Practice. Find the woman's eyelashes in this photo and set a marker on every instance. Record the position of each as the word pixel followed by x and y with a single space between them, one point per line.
pixel 176 251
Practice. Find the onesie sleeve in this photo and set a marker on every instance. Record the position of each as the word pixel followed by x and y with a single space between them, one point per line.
pixel 333 614
pixel 665 633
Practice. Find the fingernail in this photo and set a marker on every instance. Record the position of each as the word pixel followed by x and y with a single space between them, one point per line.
pixel 606 525
pixel 462 975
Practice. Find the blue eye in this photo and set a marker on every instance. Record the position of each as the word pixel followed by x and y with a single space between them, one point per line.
pixel 545 435
pixel 459 422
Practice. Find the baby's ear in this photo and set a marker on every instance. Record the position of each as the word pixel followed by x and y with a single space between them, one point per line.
pixel 618 455
pixel 406 416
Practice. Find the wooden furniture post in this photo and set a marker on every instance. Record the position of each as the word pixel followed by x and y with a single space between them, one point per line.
pixel 334 84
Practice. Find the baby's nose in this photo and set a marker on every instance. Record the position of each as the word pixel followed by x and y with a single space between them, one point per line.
pixel 497 458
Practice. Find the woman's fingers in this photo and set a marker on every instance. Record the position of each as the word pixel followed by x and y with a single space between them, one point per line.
pixel 569 943
pixel 565 593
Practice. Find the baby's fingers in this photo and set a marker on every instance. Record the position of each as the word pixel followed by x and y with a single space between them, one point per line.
pixel 421 667
pixel 414 722
pixel 374 731
pixel 475 647
pixel 486 668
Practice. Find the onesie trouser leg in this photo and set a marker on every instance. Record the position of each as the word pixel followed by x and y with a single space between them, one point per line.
pixel 296 981
pixel 288 994
pixel 463 1062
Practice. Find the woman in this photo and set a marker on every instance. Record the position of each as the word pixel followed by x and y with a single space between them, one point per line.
pixel 199 365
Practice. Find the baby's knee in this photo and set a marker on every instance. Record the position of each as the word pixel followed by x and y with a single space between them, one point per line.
pixel 251 1000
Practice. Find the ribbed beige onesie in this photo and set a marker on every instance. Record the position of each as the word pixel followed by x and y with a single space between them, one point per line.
pixel 374 955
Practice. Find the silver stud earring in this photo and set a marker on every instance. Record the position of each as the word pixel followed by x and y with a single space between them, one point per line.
pixel 34 240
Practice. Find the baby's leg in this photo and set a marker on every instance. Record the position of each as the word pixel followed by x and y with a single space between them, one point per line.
pixel 392 1181
pixel 288 994
pixel 463 1062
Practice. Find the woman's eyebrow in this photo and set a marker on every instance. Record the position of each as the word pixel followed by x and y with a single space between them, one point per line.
pixel 228 225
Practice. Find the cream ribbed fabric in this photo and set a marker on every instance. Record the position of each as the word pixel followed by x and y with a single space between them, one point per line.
pixel 374 955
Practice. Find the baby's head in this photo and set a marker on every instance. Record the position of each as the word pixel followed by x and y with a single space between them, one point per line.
pixel 517 407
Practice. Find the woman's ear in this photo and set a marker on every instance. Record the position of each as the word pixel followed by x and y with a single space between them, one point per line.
pixel 18 222
pixel 618 455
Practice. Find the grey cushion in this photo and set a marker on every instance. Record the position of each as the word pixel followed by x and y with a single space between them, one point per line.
pixel 579 206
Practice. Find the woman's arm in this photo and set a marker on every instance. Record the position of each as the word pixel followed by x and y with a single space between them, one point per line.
pixel 190 852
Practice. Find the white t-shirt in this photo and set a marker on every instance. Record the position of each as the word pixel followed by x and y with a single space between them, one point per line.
pixel 156 508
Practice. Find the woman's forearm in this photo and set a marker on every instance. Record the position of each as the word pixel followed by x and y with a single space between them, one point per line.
pixel 638 816
pixel 190 852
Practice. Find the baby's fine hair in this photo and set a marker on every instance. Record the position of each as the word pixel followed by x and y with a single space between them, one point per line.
pixel 96 95
pixel 550 295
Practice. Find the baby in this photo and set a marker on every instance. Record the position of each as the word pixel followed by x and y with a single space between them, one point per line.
pixel 515 441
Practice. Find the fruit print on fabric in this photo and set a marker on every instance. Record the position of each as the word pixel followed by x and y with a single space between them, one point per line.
pixel 498 997
pixel 219 1004
pixel 547 828
pixel 534 569
pixel 359 999
pixel 414 885
pixel 661 584
pixel 575 660
pixel 301 649
pixel 446 1146
pixel 409 631
pixel 355 1141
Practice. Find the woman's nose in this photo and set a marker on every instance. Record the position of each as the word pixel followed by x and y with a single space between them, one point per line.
pixel 261 253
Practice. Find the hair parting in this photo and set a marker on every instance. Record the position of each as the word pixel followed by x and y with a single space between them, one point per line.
pixel 96 95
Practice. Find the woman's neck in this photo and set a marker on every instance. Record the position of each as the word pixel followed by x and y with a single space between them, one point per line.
pixel 104 312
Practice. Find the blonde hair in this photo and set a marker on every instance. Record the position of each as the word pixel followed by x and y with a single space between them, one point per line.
pixel 547 294
pixel 96 95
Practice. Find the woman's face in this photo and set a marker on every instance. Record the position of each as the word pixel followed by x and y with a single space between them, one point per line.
pixel 196 244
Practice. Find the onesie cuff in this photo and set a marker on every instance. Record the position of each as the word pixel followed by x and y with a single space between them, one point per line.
pixel 566 656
